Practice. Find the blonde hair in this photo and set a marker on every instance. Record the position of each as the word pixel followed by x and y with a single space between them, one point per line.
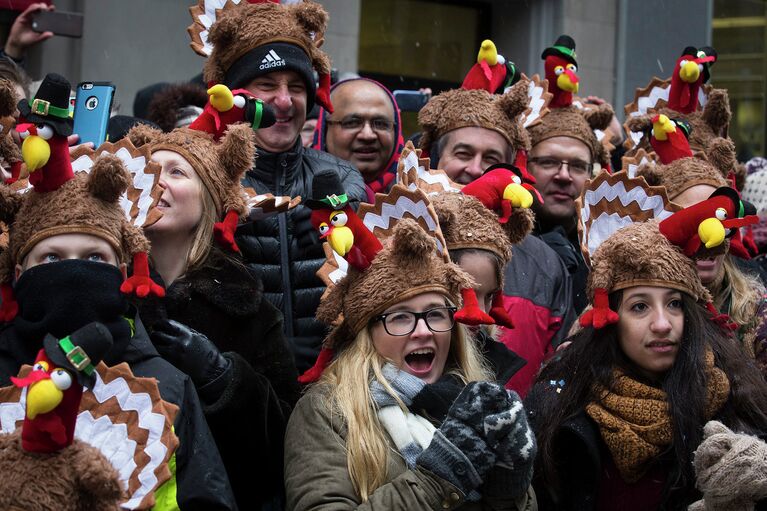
pixel 366 441
pixel 744 292
pixel 202 240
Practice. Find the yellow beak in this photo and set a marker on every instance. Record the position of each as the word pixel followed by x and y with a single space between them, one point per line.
pixel 488 53
pixel 661 128
pixel 221 98
pixel 36 152
pixel 518 196
pixel 711 232
pixel 564 83
pixel 689 72
pixel 341 240
pixel 43 397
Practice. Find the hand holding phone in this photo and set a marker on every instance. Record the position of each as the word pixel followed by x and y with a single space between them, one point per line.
pixel 410 100
pixel 68 24
pixel 93 106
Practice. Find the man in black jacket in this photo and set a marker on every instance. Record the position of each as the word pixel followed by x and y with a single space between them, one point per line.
pixel 284 250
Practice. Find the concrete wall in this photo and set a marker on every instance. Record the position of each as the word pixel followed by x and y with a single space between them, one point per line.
pixel 620 43
pixel 130 43
pixel 651 36
pixel 134 43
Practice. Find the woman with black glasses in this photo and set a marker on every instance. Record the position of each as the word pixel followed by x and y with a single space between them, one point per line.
pixel 359 437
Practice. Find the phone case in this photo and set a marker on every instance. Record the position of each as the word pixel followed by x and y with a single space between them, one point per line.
pixel 410 100
pixel 93 104
pixel 69 24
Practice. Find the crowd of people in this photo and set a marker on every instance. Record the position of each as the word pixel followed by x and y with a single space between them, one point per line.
pixel 260 293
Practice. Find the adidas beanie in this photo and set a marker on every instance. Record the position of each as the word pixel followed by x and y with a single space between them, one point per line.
pixel 268 58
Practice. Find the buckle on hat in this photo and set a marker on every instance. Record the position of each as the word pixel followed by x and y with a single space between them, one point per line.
pixel 78 358
pixel 335 200
pixel 40 106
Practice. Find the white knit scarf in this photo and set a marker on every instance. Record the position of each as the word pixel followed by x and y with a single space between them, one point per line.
pixel 411 433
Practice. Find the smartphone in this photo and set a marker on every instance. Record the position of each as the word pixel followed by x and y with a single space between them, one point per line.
pixel 69 24
pixel 410 100
pixel 93 105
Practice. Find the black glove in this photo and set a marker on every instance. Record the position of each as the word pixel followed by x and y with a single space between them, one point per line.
pixel 434 399
pixel 191 352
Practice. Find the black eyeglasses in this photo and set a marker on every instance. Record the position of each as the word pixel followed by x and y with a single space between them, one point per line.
pixel 438 319
pixel 354 123
pixel 549 164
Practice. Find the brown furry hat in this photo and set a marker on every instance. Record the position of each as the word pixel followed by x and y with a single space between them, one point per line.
pixel 639 255
pixel 165 105
pixel 86 204
pixel 407 266
pixel 9 151
pixel 77 477
pixel 240 29
pixel 460 108
pixel 219 165
pixel 467 223
pixel 710 169
pixel 576 123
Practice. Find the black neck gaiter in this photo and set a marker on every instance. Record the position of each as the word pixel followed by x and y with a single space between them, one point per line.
pixel 58 298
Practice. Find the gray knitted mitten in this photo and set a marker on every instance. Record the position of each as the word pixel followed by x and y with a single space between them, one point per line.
pixel 731 469
pixel 484 425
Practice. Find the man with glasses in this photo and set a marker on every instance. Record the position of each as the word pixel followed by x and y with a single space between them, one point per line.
pixel 365 130
pixel 565 154
pixel 465 132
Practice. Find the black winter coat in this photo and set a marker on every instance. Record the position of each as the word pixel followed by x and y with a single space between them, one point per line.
pixel 224 301
pixel 284 250
pixel 200 475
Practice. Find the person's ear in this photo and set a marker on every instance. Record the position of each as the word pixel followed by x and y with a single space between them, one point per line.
pixel 124 270
pixel 18 271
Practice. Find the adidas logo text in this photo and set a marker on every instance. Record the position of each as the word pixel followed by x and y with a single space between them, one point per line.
pixel 271 60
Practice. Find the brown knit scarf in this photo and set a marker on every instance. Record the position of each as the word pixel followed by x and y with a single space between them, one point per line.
pixel 634 421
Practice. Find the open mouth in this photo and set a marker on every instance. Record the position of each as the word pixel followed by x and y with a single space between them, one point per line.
pixel 420 361
pixel 162 203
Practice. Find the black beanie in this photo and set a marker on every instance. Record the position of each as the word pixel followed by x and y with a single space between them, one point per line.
pixel 268 58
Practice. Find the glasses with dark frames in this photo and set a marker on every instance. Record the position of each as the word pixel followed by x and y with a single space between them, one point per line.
pixel 354 123
pixel 397 323
pixel 551 165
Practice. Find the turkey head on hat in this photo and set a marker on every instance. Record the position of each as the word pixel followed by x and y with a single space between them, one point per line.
pixel 691 71
pixel 44 126
pixel 492 72
pixel 336 221
pixel 561 67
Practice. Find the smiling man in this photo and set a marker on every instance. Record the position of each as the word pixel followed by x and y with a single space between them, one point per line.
pixel 269 49
pixel 364 129
pixel 467 131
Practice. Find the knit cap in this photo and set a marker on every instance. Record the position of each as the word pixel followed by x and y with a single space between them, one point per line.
pixel 461 108
pixel 246 40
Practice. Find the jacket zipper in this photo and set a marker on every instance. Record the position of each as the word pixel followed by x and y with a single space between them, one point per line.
pixel 287 295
